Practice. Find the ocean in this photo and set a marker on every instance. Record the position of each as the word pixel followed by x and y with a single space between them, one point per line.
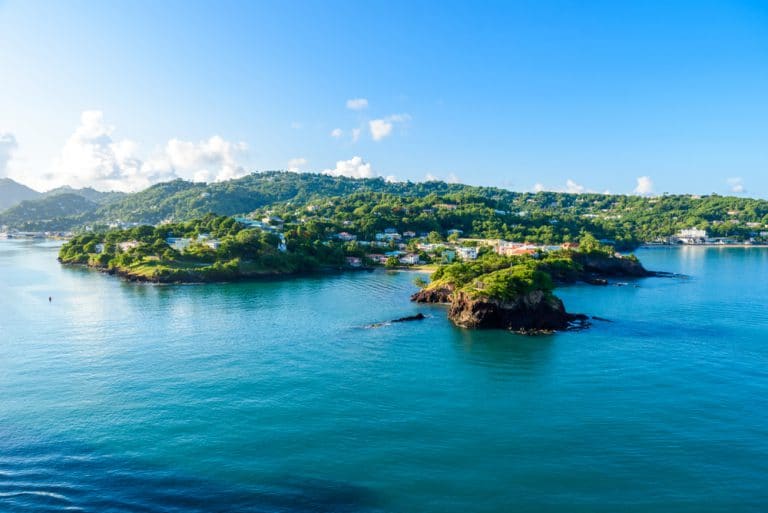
pixel 278 396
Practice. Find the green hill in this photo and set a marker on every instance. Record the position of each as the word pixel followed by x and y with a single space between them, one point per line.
pixel 53 213
pixel 12 193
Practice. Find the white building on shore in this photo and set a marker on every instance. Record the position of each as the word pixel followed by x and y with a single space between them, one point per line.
pixel 690 236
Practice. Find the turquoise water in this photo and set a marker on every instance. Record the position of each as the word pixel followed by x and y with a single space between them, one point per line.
pixel 275 397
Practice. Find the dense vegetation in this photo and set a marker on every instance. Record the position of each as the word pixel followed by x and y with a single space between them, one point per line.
pixel 369 205
pixel 144 252
pixel 502 278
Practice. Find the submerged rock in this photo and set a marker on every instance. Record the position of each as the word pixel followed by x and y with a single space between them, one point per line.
pixel 417 317
pixel 535 312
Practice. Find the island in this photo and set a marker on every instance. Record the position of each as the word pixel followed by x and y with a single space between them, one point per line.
pixel 517 293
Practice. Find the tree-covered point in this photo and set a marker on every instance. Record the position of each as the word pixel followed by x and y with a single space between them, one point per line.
pixel 505 278
pixel 214 248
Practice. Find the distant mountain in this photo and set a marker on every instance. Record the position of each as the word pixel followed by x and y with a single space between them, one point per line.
pixel 53 213
pixel 12 193
pixel 87 193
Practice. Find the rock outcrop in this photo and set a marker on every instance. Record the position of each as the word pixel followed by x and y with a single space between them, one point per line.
pixel 535 312
pixel 602 266
pixel 433 295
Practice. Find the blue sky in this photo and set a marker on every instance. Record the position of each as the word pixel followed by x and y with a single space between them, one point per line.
pixel 525 95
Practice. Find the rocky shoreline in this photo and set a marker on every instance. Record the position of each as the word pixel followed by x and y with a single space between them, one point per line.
pixel 535 312
pixel 197 278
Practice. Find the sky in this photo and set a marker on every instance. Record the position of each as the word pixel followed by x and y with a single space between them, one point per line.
pixel 627 97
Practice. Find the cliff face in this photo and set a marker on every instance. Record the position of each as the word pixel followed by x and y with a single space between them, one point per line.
pixel 433 295
pixel 533 312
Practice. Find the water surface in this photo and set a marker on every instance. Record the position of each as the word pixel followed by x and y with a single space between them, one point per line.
pixel 274 396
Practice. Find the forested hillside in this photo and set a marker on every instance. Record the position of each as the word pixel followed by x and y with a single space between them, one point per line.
pixel 370 205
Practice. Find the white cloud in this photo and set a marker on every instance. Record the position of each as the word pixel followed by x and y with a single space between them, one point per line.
pixel 539 187
pixel 644 185
pixel 573 187
pixel 737 185
pixel 355 167
pixel 449 178
pixel 211 160
pixel 296 164
pixel 381 128
pixel 336 133
pixel 391 179
pixel 357 104
pixel 8 146
pixel 92 158
pixel 355 134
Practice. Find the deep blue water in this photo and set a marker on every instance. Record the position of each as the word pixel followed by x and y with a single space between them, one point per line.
pixel 274 396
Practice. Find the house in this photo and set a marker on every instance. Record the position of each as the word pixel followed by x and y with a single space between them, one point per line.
pixel 213 244
pixel 446 206
pixel 178 243
pixel 449 256
pixel 125 246
pixel 409 259
pixel 570 245
pixel 346 237
pixel 246 221
pixel 455 231
pixel 353 261
pixel 467 252
pixel 377 258
pixel 273 221
pixel 409 234
pixel 390 230
pixel 690 236
pixel 515 249
pixel 388 236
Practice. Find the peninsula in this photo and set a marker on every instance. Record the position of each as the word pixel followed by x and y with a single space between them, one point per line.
pixel 507 286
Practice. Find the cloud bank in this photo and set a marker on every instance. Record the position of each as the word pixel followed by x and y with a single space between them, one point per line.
pixel 355 167
pixel 92 157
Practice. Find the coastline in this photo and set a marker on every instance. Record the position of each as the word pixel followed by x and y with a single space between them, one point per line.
pixel 192 278
pixel 707 246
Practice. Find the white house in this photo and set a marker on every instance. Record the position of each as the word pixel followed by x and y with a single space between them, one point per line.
pixel 467 253
pixel 125 246
pixel 409 259
pixel 691 236
pixel 178 243
pixel 354 261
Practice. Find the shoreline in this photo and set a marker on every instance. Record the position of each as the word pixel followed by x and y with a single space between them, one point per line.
pixel 706 246
pixel 130 277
